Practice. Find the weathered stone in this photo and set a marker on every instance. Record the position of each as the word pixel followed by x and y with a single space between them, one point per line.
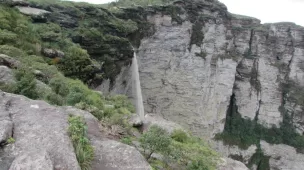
pixel 109 154
pixel 42 141
pixel 191 84
pixel 135 121
pixel 283 157
pixel 32 11
pixel 230 164
pixel 38 127
pixel 33 161
pixel 52 53
pixel 6 129
pixel 113 155
pixel 6 75
pixel 8 61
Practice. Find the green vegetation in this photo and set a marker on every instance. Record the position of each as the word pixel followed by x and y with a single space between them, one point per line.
pixel 260 160
pixel 181 150
pixel 245 132
pixel 83 149
pixel 10 140
pixel 197 35
pixel 155 140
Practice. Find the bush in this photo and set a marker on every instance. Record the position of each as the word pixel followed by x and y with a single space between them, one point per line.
pixel 126 140
pixel 59 85
pixel 55 99
pixel 83 149
pixel 26 83
pixel 179 136
pixel 77 64
pixel 154 140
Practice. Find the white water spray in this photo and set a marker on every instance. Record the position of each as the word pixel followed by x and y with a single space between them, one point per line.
pixel 136 88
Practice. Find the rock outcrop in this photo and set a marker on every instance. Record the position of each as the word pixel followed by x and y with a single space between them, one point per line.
pixel 42 140
pixel 201 56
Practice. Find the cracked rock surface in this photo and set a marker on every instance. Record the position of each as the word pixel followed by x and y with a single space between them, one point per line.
pixel 42 141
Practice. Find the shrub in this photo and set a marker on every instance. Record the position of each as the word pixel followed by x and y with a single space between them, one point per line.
pixel 126 140
pixel 77 64
pixel 11 51
pixel 179 136
pixel 9 88
pixel 83 149
pixel 10 140
pixel 54 99
pixel 59 85
pixel 26 83
pixel 154 140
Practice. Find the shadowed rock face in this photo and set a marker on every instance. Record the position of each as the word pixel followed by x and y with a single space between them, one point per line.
pixel 42 140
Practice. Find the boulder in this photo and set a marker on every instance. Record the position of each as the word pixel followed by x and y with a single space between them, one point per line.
pixel 9 61
pixel 113 155
pixel 32 11
pixel 230 164
pixel 135 121
pixel 52 53
pixel 6 75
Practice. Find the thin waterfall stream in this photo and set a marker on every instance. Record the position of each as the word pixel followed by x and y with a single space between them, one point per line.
pixel 136 90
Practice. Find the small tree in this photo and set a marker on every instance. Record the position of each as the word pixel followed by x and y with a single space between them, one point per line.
pixel 154 140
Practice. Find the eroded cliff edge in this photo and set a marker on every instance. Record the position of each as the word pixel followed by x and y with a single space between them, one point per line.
pixel 213 72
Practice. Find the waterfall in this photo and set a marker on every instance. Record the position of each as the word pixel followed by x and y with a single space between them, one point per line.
pixel 136 89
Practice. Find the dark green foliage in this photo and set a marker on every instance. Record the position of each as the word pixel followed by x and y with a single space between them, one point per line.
pixel 26 83
pixel 54 99
pixel 77 64
pixel 155 139
pixel 83 149
pixel 260 160
pixel 59 85
pixel 179 136
pixel 181 150
pixel 197 35
pixel 197 165
pixel 245 132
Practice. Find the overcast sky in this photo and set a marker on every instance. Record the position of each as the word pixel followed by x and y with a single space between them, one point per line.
pixel 265 10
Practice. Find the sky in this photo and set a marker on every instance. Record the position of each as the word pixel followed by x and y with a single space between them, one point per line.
pixel 268 11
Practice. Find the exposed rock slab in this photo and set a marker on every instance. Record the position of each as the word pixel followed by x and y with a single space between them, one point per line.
pixel 38 128
pixel 42 140
pixel 32 11
pixel 283 157
pixel 33 161
pixel 230 164
pixel 6 75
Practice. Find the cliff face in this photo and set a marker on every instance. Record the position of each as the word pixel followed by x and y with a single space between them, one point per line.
pixel 205 68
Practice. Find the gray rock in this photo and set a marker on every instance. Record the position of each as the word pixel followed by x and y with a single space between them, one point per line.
pixel 117 156
pixel 32 11
pixel 52 53
pixel 42 141
pixel 33 161
pixel 6 129
pixel 241 57
pixel 6 75
pixel 230 164
pixel 38 128
pixel 135 121
pixel 9 61
pixel 109 154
